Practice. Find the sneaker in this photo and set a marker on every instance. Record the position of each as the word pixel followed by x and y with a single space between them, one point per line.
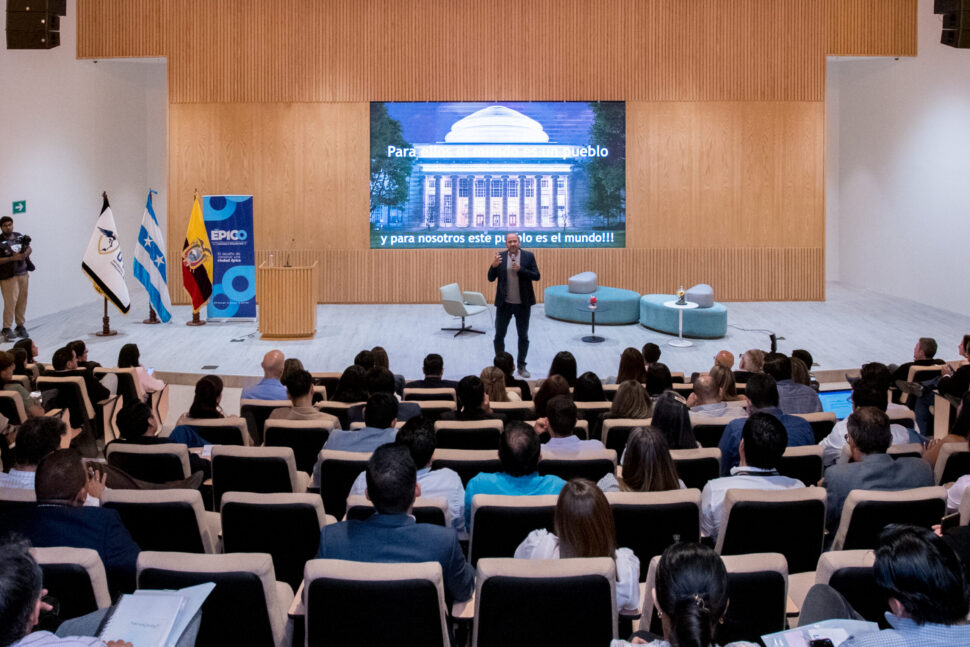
pixel 21 331
pixel 8 334
pixel 524 373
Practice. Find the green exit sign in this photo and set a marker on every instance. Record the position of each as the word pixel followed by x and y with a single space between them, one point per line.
pixel 20 206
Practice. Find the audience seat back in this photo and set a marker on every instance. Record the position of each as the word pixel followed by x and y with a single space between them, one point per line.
pixel 76 578
pixel 447 394
pixel 500 523
pixel 286 526
pixel 578 602
pixel 153 463
pixel 906 450
pixel 166 520
pixel 515 410
pixel 431 510
pixel 231 430
pixel 850 573
pixel 671 517
pixel 467 463
pixel 802 463
pixel 255 469
pixel 822 423
pixel 338 471
pixel 696 467
pixel 867 512
pixel 790 522
pixel 468 434
pixel 305 437
pixel 592 465
pixel 616 431
pixel 343 599
pixel 255 413
pixel 339 409
pixel 952 462
pixel 708 431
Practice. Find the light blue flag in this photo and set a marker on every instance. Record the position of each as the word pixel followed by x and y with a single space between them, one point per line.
pixel 150 262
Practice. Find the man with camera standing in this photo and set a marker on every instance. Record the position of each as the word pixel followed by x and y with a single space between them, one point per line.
pixel 14 265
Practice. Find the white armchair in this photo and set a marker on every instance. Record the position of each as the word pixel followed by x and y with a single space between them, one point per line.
pixel 462 304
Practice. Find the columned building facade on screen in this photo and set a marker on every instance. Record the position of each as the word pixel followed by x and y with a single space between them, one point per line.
pixel 495 170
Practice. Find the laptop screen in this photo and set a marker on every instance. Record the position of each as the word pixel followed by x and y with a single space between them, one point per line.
pixel 838 402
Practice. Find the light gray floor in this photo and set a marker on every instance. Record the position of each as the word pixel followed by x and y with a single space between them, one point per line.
pixel 851 327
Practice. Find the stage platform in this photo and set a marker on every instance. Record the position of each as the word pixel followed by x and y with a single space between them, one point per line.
pixel 851 327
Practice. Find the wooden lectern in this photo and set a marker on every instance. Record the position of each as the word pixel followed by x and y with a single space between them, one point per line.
pixel 287 298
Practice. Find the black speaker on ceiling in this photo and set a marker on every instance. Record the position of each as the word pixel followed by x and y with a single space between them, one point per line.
pixel 34 24
pixel 956 22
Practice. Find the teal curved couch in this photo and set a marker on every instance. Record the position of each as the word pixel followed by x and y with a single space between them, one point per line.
pixel 617 306
pixel 703 323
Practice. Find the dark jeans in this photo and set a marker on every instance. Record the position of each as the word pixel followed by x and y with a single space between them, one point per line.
pixel 503 314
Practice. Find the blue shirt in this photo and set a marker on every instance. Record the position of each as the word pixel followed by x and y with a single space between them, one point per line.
pixel 799 433
pixel 502 483
pixel 266 389
pixel 360 440
pixel 797 398
pixel 906 633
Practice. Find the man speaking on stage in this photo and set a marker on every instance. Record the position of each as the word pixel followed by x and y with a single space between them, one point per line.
pixel 515 270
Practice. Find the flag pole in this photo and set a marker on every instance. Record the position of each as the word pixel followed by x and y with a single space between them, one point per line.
pixel 196 320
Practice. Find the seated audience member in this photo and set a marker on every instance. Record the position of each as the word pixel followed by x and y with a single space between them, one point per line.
pixel 647 465
pixel 927 589
pixel 62 519
pixel 129 357
pixel 381 360
pixel 381 380
pixel 472 402
pixel 865 393
pixel 28 346
pixel 551 387
pixel 20 364
pixel 433 367
pixel 706 402
pixel 21 605
pixel 632 367
pixel 724 359
pixel 493 379
pixel 380 418
pixel 724 380
pixel 589 388
pixel 792 398
pixel 560 424
pixel 959 433
pixel 671 417
pixel 290 366
pixel 752 362
pixel 36 438
pixel 880 373
pixel 691 596
pixel 871 467
pixel 630 401
pixel 658 379
pixel 392 535
pixel 364 359
pixel 137 425
pixel 208 396
pixel 924 354
pixel 762 395
pixel 564 364
pixel 81 353
pixel 651 354
pixel 64 364
pixel 763 442
pixel 6 376
pixel 584 527
pixel 352 385
pixel 805 357
pixel 518 453
pixel 800 374
pixel 299 389
pixel 957 383
pixel 418 436
pixel 506 362
pixel 270 387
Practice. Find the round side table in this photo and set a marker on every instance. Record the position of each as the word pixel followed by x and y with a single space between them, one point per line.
pixel 680 342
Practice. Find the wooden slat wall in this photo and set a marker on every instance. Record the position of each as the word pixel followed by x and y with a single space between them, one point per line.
pixel 725 122
pixel 871 27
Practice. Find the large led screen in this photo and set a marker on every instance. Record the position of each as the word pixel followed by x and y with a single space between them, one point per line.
pixel 463 174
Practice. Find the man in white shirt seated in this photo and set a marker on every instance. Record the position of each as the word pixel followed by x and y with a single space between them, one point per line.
pixel 560 423
pixel 865 393
pixel 36 438
pixel 706 401
pixel 417 435
pixel 763 442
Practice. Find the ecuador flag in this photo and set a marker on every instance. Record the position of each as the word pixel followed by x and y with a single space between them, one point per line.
pixel 197 259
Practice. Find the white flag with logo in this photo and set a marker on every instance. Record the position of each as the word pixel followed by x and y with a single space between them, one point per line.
pixel 103 261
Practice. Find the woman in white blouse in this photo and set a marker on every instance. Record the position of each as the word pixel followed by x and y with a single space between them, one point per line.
pixel 584 528
pixel 129 357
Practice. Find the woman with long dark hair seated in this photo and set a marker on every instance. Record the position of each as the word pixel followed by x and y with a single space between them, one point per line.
pixel 208 396
pixel 352 385
pixel 647 465
pixel 584 527
pixel 672 418
pixel 564 364
pixel 130 357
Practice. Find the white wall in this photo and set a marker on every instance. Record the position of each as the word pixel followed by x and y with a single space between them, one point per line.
pixel 904 172
pixel 832 233
pixel 69 130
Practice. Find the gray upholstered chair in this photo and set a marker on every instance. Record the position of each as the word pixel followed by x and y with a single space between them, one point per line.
pixel 462 304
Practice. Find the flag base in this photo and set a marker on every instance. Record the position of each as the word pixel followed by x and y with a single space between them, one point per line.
pixel 196 321
pixel 106 323
pixel 152 317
